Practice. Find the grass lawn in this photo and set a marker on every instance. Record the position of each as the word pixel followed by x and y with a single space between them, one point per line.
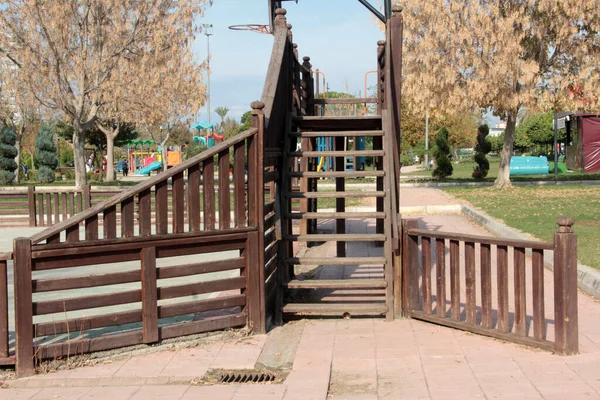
pixel 535 209
pixel 463 171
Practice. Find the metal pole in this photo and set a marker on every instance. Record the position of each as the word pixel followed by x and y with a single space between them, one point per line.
pixel 555 146
pixel 427 139
pixel 208 45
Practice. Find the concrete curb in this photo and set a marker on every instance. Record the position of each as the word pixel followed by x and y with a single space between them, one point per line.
pixel 486 184
pixel 588 278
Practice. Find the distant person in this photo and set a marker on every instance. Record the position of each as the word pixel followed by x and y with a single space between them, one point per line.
pixel 125 167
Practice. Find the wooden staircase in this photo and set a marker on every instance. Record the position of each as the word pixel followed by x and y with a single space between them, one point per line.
pixel 357 279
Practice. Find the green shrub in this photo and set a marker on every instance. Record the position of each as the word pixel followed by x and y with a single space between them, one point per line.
pixel 8 152
pixel 193 149
pixel 46 155
pixel 481 149
pixel 441 154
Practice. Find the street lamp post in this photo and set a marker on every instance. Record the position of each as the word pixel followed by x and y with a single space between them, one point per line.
pixel 208 31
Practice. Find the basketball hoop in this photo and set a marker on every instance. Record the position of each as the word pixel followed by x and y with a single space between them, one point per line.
pixel 252 27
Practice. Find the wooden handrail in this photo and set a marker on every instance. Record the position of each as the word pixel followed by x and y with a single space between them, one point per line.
pixel 529 244
pixel 137 189
pixel 6 256
pixel 273 73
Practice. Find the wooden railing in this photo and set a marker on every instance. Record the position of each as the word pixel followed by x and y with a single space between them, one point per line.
pixel 133 226
pixel 502 294
pixel 5 358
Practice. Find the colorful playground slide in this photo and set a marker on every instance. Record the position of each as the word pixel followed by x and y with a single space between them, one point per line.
pixel 149 168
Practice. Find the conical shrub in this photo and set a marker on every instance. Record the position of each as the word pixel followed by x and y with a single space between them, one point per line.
pixel 8 152
pixel 46 155
pixel 441 153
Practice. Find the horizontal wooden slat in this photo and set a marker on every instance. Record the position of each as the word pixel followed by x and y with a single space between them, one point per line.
pixel 81 324
pixel 342 237
pixel 336 133
pixel 511 337
pixel 336 261
pixel 88 345
pixel 336 308
pixel 79 282
pixel 354 100
pixel 336 174
pixel 482 239
pixel 333 195
pixel 86 302
pixel 137 242
pixel 205 325
pixel 190 307
pixel 337 284
pixel 336 215
pixel 348 153
pixel 199 268
pixel 218 285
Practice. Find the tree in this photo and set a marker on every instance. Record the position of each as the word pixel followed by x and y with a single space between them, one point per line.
pixel 441 153
pixel 71 53
pixel 8 152
pixel 538 128
pixel 502 54
pixel 246 121
pixel 481 149
pixel 222 112
pixel 19 109
pixel 229 128
pixel 46 155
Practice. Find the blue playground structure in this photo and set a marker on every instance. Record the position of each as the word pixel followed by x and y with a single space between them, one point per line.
pixel 327 163
pixel 528 165
pixel 149 168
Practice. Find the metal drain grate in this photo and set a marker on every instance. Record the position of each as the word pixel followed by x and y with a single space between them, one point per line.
pixel 244 377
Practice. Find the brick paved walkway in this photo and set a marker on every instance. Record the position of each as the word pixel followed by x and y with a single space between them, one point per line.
pixel 352 359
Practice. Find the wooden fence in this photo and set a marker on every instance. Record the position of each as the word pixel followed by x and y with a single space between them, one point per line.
pixel 521 313
pixel 202 219
pixel 45 206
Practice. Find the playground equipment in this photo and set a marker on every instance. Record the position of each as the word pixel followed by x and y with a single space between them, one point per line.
pixel 149 168
pixel 528 165
pixel 207 140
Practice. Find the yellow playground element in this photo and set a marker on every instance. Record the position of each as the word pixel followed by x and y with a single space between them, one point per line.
pixel 321 164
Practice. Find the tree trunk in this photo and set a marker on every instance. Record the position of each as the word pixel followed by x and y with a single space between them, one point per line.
pixel 79 156
pixel 163 150
pixel 18 159
pixel 110 158
pixel 503 179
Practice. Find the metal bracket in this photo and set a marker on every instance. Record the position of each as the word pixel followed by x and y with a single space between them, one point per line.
pixel 387 7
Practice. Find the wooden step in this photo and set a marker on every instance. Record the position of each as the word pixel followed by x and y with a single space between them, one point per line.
pixel 335 308
pixel 335 215
pixel 337 284
pixel 336 133
pixel 328 123
pixel 336 261
pixel 348 153
pixel 335 174
pixel 338 237
pixel 334 195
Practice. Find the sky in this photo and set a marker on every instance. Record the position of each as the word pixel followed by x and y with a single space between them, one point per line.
pixel 339 36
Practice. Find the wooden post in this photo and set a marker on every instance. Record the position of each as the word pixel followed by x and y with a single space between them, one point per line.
pixel 87 196
pixel 31 204
pixel 3 308
pixel 23 307
pixel 256 217
pixel 565 288
pixel 149 295
pixel 410 268
pixel 255 293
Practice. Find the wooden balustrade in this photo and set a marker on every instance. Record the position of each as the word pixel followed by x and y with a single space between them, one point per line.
pixel 479 266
